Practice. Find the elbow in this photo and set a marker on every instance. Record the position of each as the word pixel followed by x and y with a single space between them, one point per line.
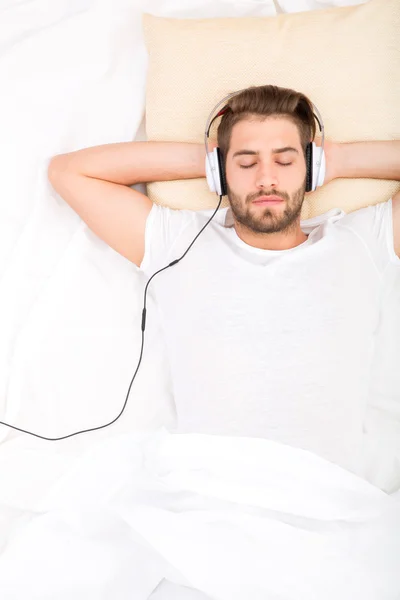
pixel 57 165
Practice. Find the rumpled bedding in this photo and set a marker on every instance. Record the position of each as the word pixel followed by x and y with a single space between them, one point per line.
pixel 232 518
pixel 221 516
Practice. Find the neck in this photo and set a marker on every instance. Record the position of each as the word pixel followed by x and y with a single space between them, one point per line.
pixel 280 240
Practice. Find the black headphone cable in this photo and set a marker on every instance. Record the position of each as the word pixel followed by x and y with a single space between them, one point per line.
pixel 143 326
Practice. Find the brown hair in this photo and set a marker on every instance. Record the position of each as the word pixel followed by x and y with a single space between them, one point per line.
pixel 267 100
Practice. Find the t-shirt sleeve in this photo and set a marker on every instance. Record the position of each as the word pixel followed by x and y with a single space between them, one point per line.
pixel 374 225
pixel 163 227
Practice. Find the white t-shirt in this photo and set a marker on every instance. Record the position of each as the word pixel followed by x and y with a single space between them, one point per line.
pixel 272 343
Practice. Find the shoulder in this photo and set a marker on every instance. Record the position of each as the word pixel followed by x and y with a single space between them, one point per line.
pixel 181 216
pixel 374 226
pixel 166 227
pixel 369 219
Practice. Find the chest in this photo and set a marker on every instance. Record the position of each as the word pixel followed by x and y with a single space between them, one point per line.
pixel 305 296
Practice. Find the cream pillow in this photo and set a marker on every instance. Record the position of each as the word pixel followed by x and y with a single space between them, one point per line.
pixel 346 60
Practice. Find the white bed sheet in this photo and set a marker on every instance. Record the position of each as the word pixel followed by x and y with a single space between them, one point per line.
pixel 289 6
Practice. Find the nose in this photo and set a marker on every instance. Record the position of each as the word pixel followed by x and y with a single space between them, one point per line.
pixel 266 175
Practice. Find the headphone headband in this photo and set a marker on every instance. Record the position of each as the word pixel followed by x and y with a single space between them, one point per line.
pixel 210 119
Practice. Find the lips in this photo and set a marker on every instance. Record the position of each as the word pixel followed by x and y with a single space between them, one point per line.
pixel 268 200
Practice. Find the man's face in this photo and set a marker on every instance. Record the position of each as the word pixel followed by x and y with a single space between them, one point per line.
pixel 255 168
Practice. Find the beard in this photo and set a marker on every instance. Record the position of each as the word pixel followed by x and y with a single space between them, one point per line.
pixel 268 220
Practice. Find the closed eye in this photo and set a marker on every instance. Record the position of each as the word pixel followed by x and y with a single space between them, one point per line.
pixel 252 165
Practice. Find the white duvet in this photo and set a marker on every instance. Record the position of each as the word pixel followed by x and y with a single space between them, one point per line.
pixel 233 518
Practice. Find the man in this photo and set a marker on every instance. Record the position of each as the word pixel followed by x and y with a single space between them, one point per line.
pixel 269 322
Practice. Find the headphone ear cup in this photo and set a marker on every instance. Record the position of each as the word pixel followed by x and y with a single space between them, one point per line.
pixel 211 171
pixel 222 176
pixel 318 168
pixel 309 153
pixel 215 172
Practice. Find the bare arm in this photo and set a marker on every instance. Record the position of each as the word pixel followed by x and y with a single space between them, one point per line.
pixel 94 182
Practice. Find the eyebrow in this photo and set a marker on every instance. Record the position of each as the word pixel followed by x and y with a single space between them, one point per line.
pixel 274 151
